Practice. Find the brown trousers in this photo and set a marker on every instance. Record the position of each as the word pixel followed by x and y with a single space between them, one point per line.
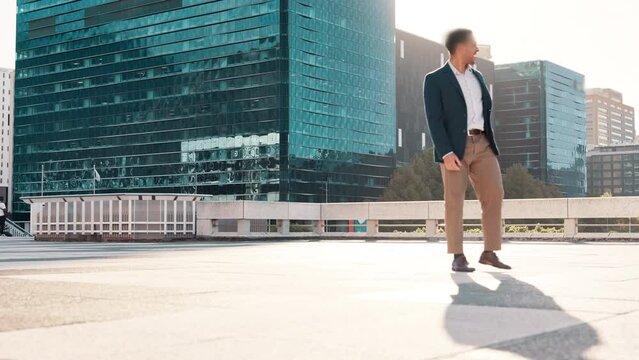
pixel 481 165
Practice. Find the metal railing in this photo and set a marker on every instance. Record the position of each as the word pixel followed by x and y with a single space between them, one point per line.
pixel 15 230
pixel 103 217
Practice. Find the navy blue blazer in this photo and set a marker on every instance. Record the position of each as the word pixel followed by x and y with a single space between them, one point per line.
pixel 446 112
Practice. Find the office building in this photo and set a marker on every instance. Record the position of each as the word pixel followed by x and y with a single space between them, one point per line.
pixel 237 99
pixel 540 122
pixel 6 135
pixel 614 169
pixel 609 120
pixel 416 57
pixel 485 52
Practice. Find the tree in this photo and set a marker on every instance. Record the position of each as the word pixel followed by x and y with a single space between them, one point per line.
pixel 520 184
pixel 421 180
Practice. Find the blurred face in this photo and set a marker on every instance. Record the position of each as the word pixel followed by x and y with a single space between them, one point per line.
pixel 467 50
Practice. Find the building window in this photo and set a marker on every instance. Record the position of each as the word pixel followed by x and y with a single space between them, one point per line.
pixel 423 140
pixel 399 137
pixel 401 48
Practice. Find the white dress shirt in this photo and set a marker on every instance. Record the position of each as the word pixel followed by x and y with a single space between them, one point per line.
pixel 471 88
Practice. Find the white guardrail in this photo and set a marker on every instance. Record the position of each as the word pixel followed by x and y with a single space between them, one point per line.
pixel 596 218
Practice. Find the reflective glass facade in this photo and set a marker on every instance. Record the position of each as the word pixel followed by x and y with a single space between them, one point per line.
pixel 614 169
pixel 239 99
pixel 342 99
pixel 540 122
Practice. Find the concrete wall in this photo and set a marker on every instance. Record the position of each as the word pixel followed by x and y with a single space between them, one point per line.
pixel 428 213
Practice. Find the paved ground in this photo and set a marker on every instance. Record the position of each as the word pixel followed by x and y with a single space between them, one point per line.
pixel 315 300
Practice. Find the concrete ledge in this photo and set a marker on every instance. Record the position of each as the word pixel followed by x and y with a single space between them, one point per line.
pixel 611 207
pixel 261 210
pixel 397 210
pixel 550 208
pixel 304 211
pixel 436 210
pixel 220 209
pixel 412 237
pixel 345 211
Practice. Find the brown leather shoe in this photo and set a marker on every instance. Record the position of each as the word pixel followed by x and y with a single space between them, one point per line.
pixel 461 265
pixel 490 258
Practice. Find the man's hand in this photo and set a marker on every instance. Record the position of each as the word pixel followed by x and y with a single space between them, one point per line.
pixel 452 162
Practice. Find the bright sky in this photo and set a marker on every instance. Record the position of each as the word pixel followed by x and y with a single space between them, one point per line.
pixel 594 37
pixel 597 38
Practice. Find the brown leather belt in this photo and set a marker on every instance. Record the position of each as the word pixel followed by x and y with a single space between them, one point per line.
pixel 475 132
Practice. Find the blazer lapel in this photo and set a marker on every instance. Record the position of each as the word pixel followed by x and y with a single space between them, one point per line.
pixel 453 79
pixel 485 94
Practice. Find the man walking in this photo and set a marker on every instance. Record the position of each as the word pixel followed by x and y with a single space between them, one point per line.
pixel 458 108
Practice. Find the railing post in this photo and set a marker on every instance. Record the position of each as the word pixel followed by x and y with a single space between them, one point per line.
pixel 284 227
pixel 206 227
pixel 570 227
pixel 431 227
pixel 243 226
pixel 318 227
pixel 372 227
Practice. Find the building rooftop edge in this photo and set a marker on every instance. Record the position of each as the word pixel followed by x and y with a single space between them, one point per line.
pixel 118 196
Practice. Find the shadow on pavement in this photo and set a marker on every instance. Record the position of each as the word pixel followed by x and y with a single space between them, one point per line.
pixel 464 325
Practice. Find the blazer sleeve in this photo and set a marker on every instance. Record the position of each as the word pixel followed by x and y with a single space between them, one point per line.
pixel 435 115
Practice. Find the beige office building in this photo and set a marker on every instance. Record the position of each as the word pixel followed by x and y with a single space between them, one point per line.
pixel 609 120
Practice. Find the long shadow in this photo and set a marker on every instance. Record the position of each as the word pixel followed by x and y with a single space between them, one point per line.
pixel 464 324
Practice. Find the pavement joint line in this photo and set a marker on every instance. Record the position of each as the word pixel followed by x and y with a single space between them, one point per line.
pixel 625 280
pixel 607 299
pixel 200 341
pixel 627 313
pixel 125 300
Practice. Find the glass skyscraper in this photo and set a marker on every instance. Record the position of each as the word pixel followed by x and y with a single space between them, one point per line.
pixel 240 99
pixel 540 122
